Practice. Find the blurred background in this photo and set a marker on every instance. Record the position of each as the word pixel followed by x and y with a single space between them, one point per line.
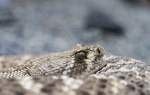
pixel 43 26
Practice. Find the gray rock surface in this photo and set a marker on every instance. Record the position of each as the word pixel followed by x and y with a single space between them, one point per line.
pixel 55 25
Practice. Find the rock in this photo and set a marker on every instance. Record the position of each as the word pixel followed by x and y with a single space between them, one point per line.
pixel 6 17
pixel 137 2
pixel 133 2
pixel 100 21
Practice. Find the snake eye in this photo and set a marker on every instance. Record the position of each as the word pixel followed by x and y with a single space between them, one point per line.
pixel 81 55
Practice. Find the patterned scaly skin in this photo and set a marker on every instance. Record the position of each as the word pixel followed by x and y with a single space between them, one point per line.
pixel 82 60
pixel 101 74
